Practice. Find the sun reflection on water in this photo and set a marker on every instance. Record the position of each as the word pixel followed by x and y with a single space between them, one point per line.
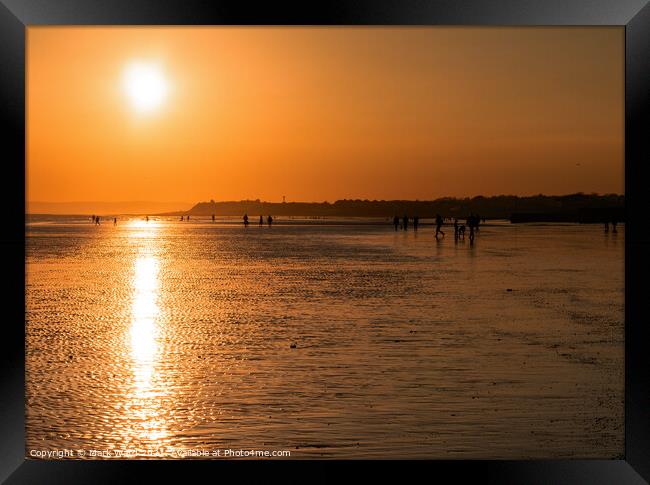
pixel 144 332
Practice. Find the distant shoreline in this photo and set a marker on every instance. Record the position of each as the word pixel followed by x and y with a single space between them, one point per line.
pixel 585 208
pixel 580 208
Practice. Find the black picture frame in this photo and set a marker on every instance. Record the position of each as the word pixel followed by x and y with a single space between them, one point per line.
pixel 633 15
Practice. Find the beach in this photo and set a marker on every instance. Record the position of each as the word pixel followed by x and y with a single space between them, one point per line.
pixel 331 339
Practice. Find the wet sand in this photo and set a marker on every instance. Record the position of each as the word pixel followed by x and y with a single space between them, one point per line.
pixel 168 335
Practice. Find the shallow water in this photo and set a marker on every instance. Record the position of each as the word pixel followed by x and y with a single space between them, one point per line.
pixel 177 336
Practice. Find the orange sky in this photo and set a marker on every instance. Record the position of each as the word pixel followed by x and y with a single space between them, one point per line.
pixel 325 113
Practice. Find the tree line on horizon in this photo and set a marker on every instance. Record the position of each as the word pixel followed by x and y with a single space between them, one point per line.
pixel 492 207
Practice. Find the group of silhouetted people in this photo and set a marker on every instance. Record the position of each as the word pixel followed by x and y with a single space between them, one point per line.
pixel 269 220
pixel 473 222
pixel 405 222
pixel 96 220
pixel 614 222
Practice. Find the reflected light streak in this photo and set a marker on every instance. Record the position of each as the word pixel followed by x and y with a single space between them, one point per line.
pixel 144 331
pixel 144 347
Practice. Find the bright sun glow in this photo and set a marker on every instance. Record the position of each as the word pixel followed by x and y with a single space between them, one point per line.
pixel 146 85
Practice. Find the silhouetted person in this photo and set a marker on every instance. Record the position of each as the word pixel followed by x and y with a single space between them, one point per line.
pixel 245 219
pixel 97 220
pixel 212 217
pixel 472 223
pixel 147 218
pixel 261 221
pixel 188 217
pixel 439 222
pixel 405 222
pixel 182 218
pixel 416 221
pixel 115 221
pixel 461 231
pixel 471 233
pixel 93 218
pixel 396 222
pixel 269 220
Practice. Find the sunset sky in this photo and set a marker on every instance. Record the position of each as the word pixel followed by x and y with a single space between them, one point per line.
pixel 192 114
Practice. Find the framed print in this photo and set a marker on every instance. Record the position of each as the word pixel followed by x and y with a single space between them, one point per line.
pixel 359 234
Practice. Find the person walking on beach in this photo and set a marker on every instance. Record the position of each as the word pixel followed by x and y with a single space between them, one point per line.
pixel 188 217
pixel 269 220
pixel 416 222
pixel 182 218
pixel 245 220
pixel 212 217
pixel 97 220
pixel 405 224
pixel 439 222
pixel 115 221
pixel 396 222
pixel 261 221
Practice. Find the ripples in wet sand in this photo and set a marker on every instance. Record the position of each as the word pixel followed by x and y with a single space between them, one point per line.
pixel 328 341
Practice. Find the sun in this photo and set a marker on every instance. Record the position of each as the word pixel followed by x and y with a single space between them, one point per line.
pixel 145 85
